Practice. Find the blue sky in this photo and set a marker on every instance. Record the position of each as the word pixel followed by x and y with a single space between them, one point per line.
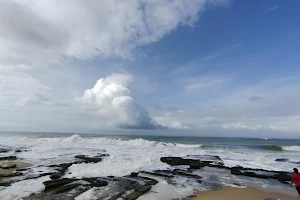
pixel 223 67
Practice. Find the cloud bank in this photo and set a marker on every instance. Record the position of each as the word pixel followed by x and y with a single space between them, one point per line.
pixel 112 99
pixel 40 40
pixel 54 29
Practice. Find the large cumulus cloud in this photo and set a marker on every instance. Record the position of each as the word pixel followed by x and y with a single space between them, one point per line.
pixel 112 99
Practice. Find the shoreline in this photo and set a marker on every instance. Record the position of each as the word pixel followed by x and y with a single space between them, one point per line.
pixel 248 193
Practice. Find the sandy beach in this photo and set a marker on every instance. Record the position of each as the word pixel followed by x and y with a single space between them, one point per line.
pixel 231 193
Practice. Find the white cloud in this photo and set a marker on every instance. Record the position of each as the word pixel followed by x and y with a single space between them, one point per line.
pixel 168 120
pixel 17 86
pixel 112 99
pixel 270 10
pixel 193 84
pixel 52 29
pixel 38 39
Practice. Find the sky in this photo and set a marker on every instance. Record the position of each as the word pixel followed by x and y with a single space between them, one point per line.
pixel 174 67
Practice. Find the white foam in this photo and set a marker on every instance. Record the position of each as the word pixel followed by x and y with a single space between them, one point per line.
pixel 291 148
pixel 163 190
pixel 23 188
pixel 135 155
pixel 87 195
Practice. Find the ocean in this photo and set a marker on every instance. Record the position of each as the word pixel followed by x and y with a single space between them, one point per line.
pixel 136 153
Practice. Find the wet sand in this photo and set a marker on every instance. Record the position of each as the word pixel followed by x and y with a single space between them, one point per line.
pixel 231 193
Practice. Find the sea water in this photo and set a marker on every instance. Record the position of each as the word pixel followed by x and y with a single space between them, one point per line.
pixel 136 153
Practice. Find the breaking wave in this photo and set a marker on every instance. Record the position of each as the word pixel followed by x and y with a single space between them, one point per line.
pixel 279 148
pixel 134 142
pixel 291 148
pixel 271 147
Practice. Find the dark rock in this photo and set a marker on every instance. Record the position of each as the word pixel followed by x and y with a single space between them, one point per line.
pixel 252 174
pixel 18 151
pixel 91 159
pixel 56 175
pixel 138 192
pixel 5 183
pixel 296 162
pixel 8 158
pixel 4 150
pixel 236 172
pixel 195 161
pixel 45 174
pixel 65 188
pixel 183 173
pixel 61 170
pixel 282 160
pixel 134 174
pixel 155 173
pixel 199 181
pixel 237 168
pixel 208 158
pixel 197 165
pixel 96 182
pixel 178 161
pixel 11 175
pixel 52 184
pixel 283 177
pixel 149 181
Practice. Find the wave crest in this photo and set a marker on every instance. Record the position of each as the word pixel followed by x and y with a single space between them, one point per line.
pixel 135 142
pixel 291 148
pixel 271 147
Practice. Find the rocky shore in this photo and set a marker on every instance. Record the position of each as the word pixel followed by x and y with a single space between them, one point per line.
pixel 130 187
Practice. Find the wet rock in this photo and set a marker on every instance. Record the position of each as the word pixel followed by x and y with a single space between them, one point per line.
pixel 4 150
pixel 5 183
pixel 206 158
pixel 156 173
pixel 8 166
pixel 125 188
pixel 8 158
pixel 184 173
pixel 195 161
pixel 283 177
pixel 11 174
pixel 22 150
pixel 198 165
pixel 177 161
pixel 236 172
pixel 91 159
pixel 66 192
pixel 96 182
pixel 52 184
pixel 61 170
pixel 65 188
pixel 282 160
pixel 149 181
pixel 134 174
pixel 138 192
pixel 56 175
pixel 255 175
